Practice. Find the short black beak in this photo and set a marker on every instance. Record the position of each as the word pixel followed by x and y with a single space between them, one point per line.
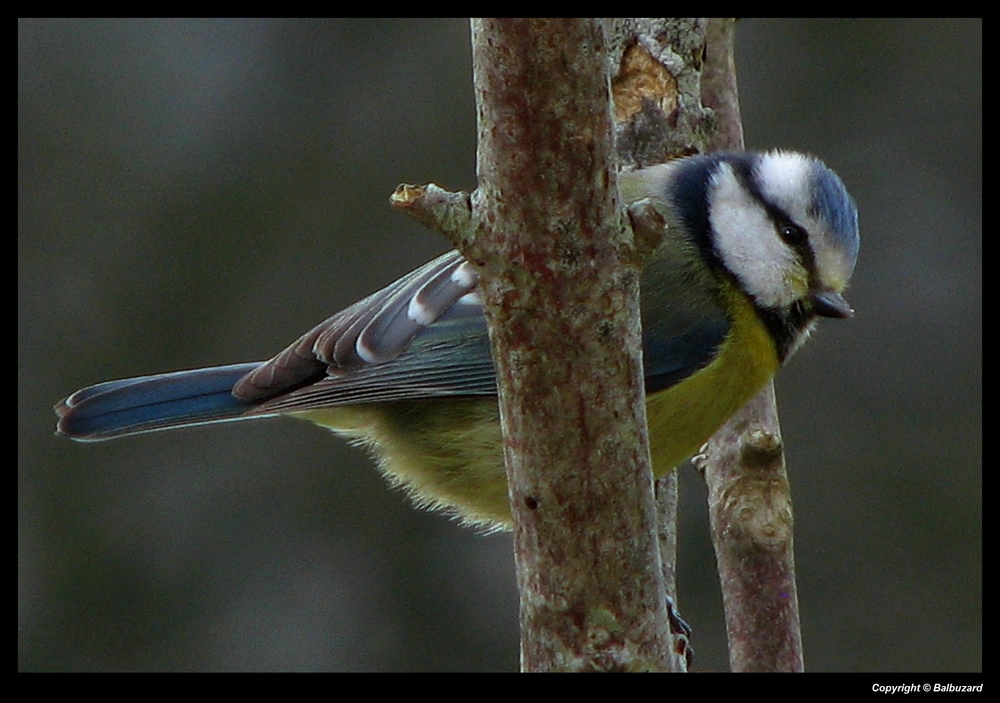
pixel 829 303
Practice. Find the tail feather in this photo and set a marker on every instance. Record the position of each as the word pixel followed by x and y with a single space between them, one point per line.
pixel 149 403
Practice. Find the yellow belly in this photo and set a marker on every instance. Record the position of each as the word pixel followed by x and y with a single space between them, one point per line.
pixel 447 453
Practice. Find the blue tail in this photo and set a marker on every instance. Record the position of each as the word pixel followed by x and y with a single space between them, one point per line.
pixel 149 403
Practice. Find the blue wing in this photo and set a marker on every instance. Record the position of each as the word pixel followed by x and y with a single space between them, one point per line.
pixel 423 336
pixel 151 403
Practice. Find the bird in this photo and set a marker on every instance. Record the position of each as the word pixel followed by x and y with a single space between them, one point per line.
pixel 756 248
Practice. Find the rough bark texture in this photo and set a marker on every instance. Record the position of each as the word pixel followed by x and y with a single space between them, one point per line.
pixel 561 285
pixel 656 83
pixel 560 272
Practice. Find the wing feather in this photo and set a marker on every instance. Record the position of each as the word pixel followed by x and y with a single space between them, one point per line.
pixel 422 336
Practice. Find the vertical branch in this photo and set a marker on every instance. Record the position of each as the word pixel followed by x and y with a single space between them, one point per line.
pixel 560 272
pixel 718 85
pixel 656 69
pixel 750 506
pixel 561 289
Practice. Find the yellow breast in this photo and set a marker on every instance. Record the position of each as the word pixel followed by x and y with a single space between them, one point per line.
pixel 447 452
pixel 683 417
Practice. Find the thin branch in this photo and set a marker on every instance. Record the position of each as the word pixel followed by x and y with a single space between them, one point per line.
pixel 441 210
pixel 750 505
pixel 656 82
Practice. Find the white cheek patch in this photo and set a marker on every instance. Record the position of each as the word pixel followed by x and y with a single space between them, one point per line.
pixel 749 246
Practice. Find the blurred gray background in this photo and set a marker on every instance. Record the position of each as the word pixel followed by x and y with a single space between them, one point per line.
pixel 196 192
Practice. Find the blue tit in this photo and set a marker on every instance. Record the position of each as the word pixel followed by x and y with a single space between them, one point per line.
pixel 757 247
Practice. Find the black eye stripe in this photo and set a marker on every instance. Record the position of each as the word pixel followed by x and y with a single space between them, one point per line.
pixel 791 234
pixel 797 238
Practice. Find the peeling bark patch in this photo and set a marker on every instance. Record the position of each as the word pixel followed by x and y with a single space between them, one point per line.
pixel 642 81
